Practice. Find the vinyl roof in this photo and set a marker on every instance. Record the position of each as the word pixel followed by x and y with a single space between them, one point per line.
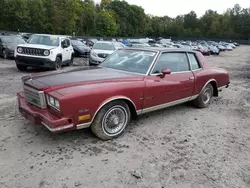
pixel 157 49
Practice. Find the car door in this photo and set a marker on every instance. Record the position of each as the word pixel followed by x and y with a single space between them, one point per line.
pixel 176 87
pixel 69 49
pixel 64 47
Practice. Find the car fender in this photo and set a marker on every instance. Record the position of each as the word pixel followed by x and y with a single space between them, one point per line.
pixel 214 84
pixel 113 98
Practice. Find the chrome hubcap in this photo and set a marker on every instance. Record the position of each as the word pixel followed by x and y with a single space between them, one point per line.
pixel 206 95
pixel 114 120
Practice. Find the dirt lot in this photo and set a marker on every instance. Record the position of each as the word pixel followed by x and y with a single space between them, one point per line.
pixel 179 147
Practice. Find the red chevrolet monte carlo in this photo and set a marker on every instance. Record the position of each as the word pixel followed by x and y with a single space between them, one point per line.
pixel 128 83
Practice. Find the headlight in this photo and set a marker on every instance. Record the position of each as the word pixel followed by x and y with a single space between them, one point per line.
pixel 53 102
pixel 93 53
pixel 46 52
pixel 19 50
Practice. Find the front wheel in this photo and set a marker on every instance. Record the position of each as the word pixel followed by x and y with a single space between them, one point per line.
pixel 111 120
pixel 58 64
pixel 204 99
pixel 21 67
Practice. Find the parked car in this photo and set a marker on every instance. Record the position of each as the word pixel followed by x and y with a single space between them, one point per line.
pixel 8 45
pixel 128 83
pixel 90 42
pixel 80 49
pixel 228 47
pixel 204 50
pixel 157 45
pixel 236 44
pixel 44 51
pixel 221 47
pixel 139 45
pixel 102 49
pixel 214 50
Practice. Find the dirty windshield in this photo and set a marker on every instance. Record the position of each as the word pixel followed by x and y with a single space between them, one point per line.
pixel 137 61
pixel 44 40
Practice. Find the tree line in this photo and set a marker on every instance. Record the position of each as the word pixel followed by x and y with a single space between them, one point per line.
pixel 118 19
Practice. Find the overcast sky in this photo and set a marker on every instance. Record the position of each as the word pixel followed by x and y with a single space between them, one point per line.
pixel 173 8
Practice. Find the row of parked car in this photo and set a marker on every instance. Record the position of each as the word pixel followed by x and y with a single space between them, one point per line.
pixel 54 51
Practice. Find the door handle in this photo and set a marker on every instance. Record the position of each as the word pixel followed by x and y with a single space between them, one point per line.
pixel 191 78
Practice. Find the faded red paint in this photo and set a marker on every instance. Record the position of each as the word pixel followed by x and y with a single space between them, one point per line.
pixel 143 90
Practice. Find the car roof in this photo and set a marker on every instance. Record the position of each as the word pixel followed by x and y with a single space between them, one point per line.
pixel 107 42
pixel 60 36
pixel 159 49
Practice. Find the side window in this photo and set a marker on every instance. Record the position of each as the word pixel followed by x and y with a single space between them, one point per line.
pixel 193 61
pixel 63 42
pixel 175 61
pixel 67 42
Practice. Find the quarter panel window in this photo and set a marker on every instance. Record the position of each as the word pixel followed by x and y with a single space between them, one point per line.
pixel 175 61
pixel 193 61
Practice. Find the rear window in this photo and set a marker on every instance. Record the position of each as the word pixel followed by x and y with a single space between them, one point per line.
pixel 193 61
pixel 103 46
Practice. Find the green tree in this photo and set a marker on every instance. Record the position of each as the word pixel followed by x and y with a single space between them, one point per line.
pixel 106 24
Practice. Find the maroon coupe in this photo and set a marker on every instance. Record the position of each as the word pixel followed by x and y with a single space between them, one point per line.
pixel 128 83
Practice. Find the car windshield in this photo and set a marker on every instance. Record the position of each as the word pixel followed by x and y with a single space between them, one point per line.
pixel 13 40
pixel 44 39
pixel 77 43
pixel 103 46
pixel 136 61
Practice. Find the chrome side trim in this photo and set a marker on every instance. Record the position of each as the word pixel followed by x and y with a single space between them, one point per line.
pixel 57 128
pixel 83 125
pixel 193 97
pixel 197 69
pixel 161 106
pixel 171 73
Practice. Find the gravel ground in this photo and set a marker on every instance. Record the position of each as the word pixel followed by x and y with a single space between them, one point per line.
pixel 179 147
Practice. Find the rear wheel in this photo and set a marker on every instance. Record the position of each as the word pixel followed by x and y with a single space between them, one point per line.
pixel 204 99
pixel 111 120
pixel 21 67
pixel 71 60
pixel 58 64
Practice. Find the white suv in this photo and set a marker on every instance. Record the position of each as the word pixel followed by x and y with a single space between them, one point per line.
pixel 44 51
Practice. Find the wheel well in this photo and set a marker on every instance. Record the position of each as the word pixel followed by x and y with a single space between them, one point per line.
pixel 131 107
pixel 59 55
pixel 215 88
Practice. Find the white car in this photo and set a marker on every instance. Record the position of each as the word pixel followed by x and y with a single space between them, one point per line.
pixel 102 49
pixel 44 51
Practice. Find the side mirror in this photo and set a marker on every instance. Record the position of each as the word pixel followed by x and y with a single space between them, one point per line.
pixel 165 71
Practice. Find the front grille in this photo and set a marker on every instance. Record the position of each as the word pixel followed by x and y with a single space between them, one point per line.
pixel 33 51
pixel 34 97
pixel 103 55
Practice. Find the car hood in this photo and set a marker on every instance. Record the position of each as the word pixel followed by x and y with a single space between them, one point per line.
pixel 11 46
pixel 40 46
pixel 83 48
pixel 103 51
pixel 87 75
